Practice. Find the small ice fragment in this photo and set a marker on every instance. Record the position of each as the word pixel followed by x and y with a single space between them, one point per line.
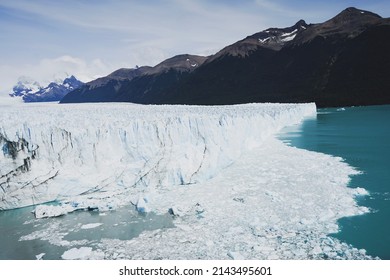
pixel 89 226
pixel 361 191
pixel 40 256
pixel 142 206
pixel 77 254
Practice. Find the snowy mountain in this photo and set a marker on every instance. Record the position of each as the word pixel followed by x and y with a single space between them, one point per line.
pixel 25 86
pixel 341 62
pixel 272 38
pixel 31 91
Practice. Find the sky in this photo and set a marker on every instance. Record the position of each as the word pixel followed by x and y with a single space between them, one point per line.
pixel 47 40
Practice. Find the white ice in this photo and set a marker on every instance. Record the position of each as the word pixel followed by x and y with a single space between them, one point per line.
pixel 90 226
pixel 82 253
pixel 40 256
pixel 275 202
pixel 45 211
pixel 101 150
pixel 233 189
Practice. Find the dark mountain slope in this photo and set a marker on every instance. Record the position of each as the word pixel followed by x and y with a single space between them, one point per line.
pixel 134 85
pixel 339 63
pixel 342 62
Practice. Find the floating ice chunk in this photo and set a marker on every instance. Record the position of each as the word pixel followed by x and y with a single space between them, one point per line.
pixel 45 211
pixel 361 191
pixel 89 226
pixel 82 253
pixel 40 256
pixel 142 205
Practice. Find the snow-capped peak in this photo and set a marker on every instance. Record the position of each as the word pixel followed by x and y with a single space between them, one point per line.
pixel 277 37
pixel 31 91
pixel 25 85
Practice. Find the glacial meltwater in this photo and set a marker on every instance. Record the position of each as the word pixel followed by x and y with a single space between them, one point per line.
pixel 361 136
pixel 24 237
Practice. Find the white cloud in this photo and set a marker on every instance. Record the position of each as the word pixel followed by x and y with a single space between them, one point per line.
pixel 102 36
pixel 63 66
pixel 58 68
pixel 50 69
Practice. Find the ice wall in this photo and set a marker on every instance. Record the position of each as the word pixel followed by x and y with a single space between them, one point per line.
pixel 51 152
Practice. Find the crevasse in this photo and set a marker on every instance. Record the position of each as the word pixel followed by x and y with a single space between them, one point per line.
pixel 53 152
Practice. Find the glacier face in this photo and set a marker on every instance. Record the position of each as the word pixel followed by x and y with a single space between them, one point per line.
pixel 102 151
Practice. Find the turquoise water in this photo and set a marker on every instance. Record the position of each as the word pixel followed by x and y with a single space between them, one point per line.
pixel 124 223
pixel 361 136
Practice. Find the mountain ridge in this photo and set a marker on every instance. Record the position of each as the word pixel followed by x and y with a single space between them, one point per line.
pixel 340 62
pixel 31 91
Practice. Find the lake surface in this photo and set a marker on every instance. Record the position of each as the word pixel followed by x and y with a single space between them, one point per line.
pixel 361 136
pixel 23 237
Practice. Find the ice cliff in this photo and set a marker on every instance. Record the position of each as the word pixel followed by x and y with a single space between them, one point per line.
pixel 52 152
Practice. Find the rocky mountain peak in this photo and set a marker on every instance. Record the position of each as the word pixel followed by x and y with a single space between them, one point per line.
pixel 271 38
pixel 31 91
pixel 348 24
pixel 182 63
pixel 353 14
pixel 343 61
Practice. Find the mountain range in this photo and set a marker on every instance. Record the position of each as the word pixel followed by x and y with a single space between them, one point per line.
pixel 344 61
pixel 31 91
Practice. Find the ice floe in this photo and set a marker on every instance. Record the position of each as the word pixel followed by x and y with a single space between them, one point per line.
pixel 92 225
pixel 82 253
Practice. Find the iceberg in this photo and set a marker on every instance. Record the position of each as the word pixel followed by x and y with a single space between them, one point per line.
pixel 142 205
pixel 46 211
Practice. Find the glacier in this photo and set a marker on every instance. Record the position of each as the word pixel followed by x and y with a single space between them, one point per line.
pixel 54 152
pixel 231 187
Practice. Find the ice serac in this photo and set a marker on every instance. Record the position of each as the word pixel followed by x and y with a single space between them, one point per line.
pixel 54 152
